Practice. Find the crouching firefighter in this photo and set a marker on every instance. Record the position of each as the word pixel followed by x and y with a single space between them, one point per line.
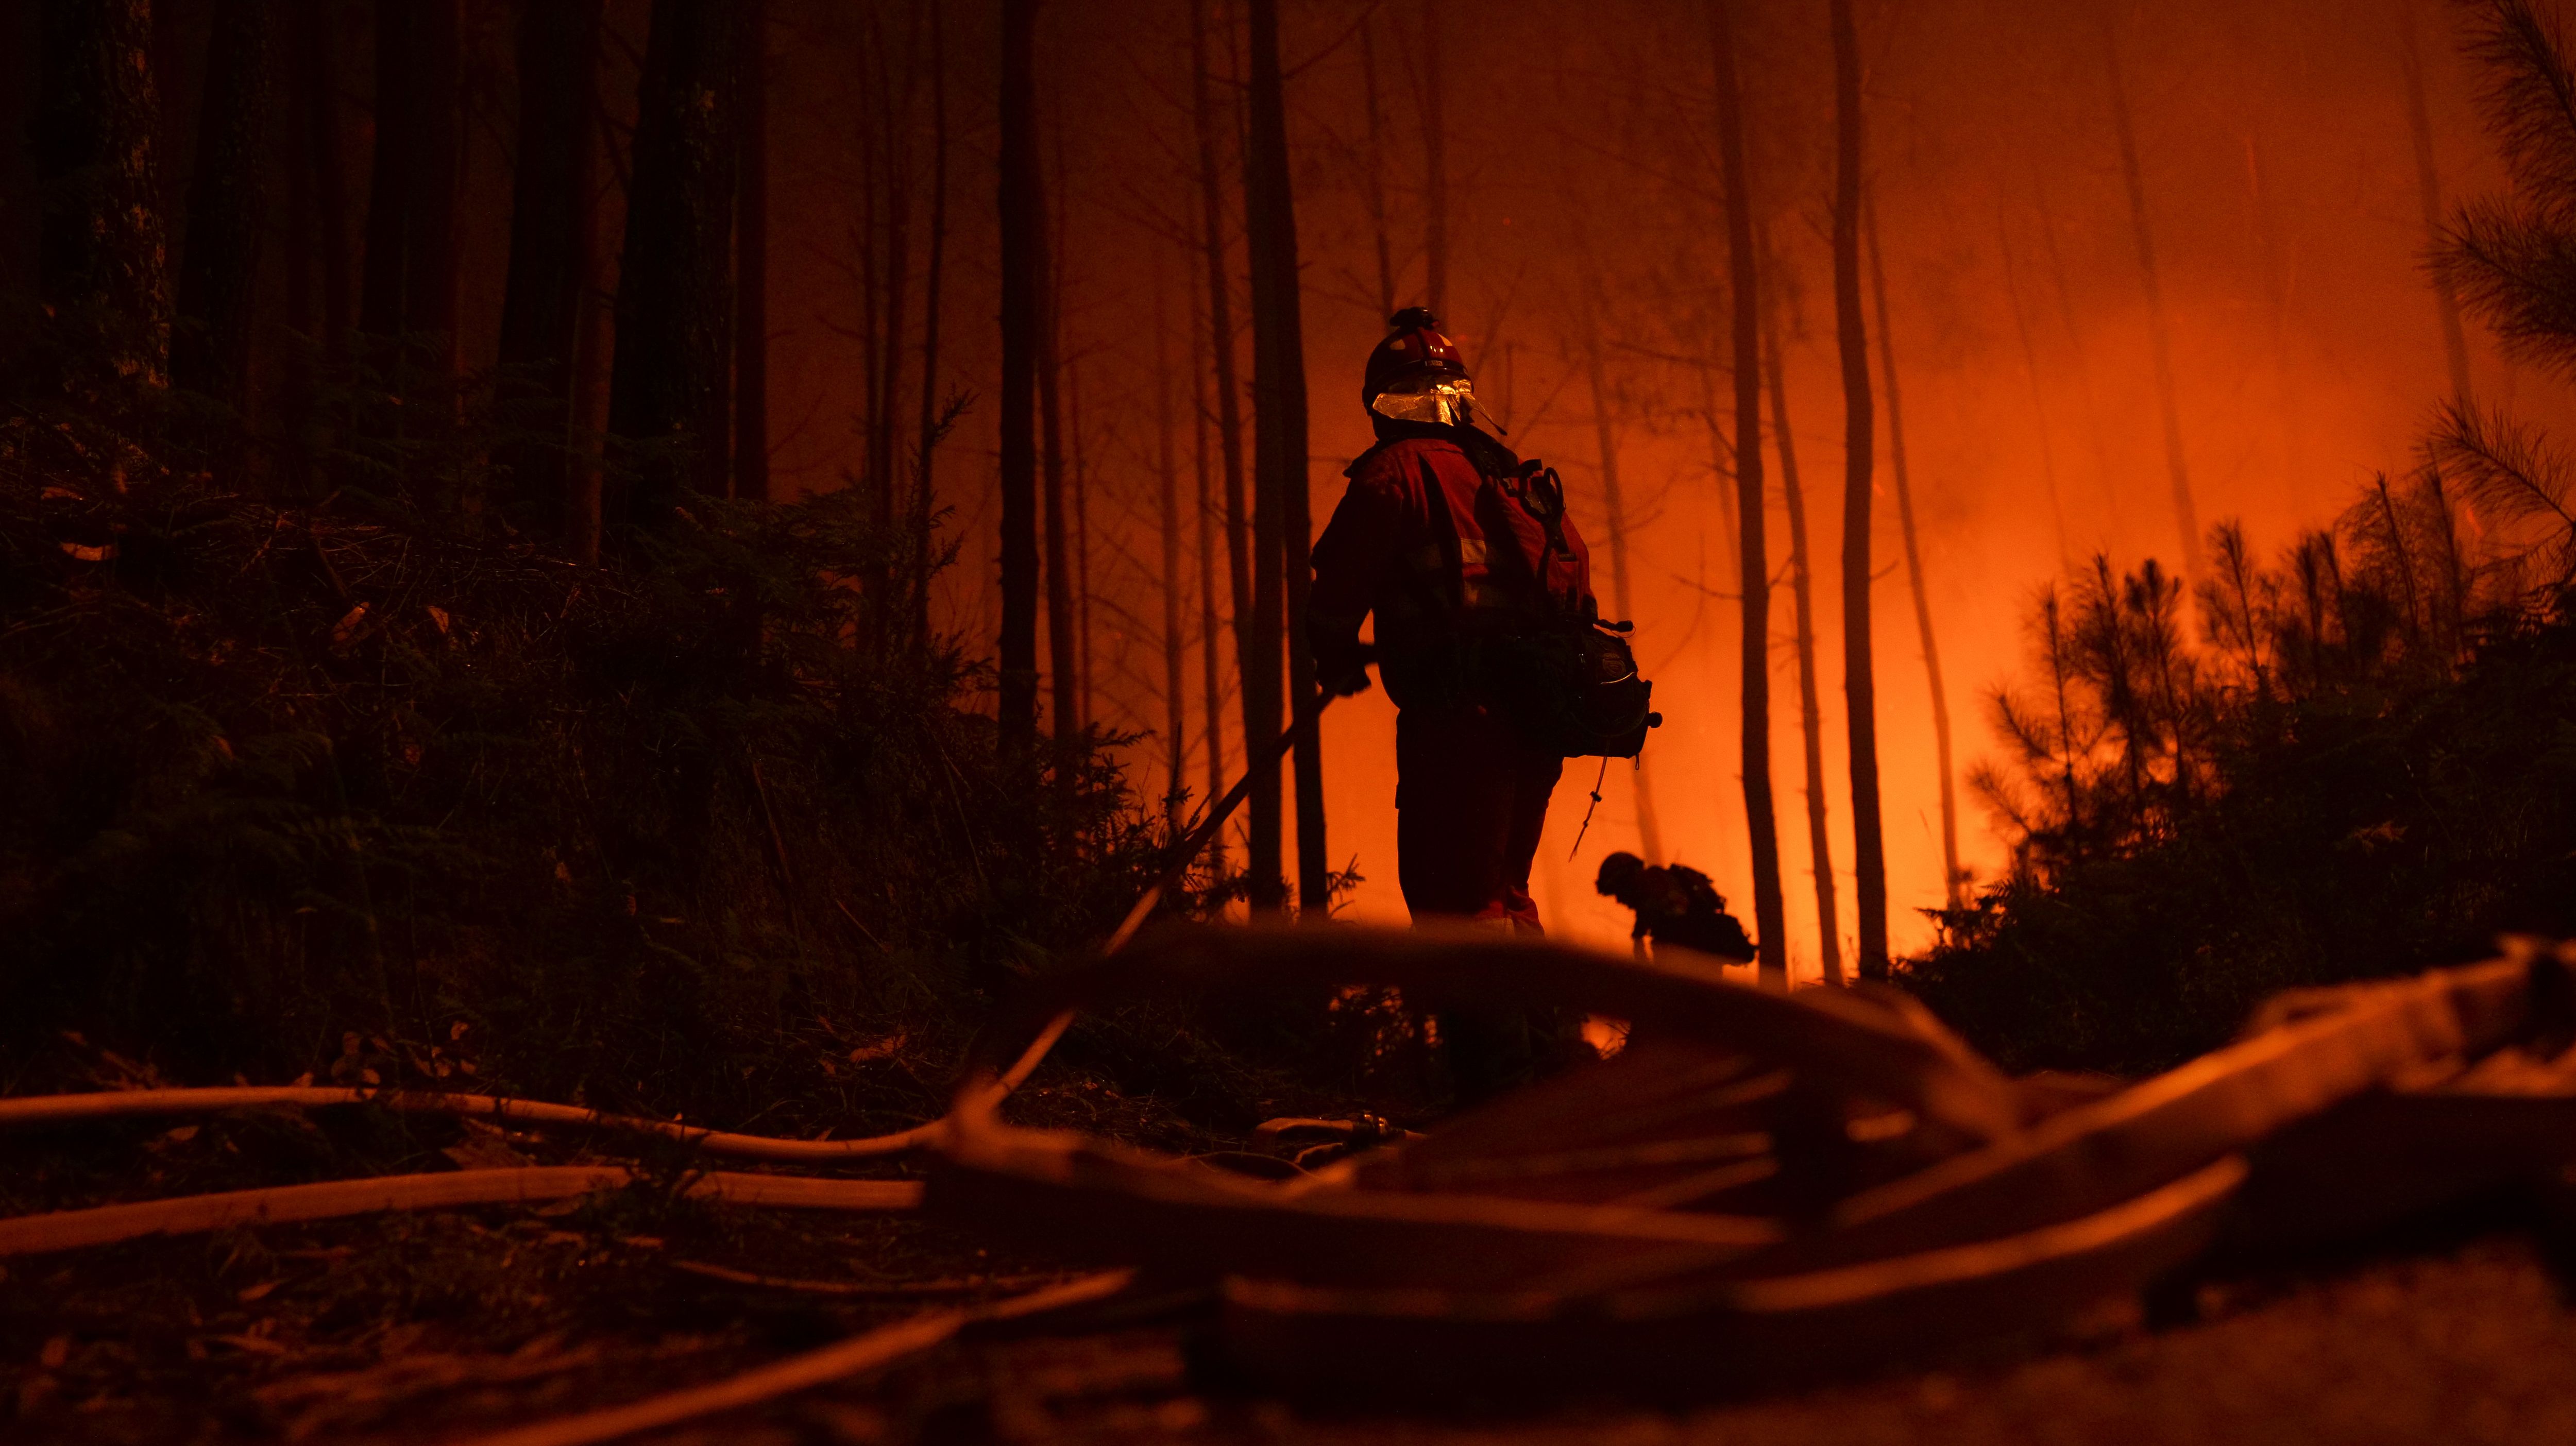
pixel 1490 644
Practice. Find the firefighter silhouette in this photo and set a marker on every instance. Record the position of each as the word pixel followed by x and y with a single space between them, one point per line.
pixel 1675 905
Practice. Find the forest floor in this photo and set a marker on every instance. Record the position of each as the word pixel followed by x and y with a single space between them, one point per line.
pixel 446 1326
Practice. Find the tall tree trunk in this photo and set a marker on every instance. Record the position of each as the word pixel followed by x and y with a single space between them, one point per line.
pixel 1951 878
pixel 390 194
pixel 1176 723
pixel 227 205
pixel 1761 832
pixel 2276 296
pixel 1080 478
pixel 1064 661
pixel 2097 436
pixel 1376 193
pixel 2428 191
pixel 1435 168
pixel 896 112
pixel 1605 436
pixel 1279 413
pixel 1023 258
pixel 751 255
pixel 2159 331
pixel 432 276
pixel 1860 692
pixel 551 228
pixel 1212 669
pixel 1721 462
pixel 318 74
pixel 925 493
pixel 1229 393
pixel 2038 393
pixel 1811 720
pixel 101 245
pixel 669 384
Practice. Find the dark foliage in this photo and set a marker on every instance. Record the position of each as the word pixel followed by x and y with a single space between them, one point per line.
pixel 2358 770
pixel 348 785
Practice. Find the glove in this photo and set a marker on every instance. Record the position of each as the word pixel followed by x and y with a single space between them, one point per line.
pixel 1344 681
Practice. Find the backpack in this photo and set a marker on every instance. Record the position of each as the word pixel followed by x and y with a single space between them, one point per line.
pixel 1567 679
pixel 1704 924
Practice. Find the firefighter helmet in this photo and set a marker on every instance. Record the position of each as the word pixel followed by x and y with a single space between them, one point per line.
pixel 1414 356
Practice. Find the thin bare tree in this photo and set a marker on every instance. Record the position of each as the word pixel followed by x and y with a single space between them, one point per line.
pixel 670 393
pixel 2428 192
pixel 1023 257
pixel 1951 878
pixel 2159 329
pixel 552 229
pixel 1811 719
pixel 227 204
pixel 1605 437
pixel 750 252
pixel 1282 535
pixel 1176 734
pixel 934 421
pixel 1851 332
pixel 102 243
pixel 1762 837
pixel 2038 392
pixel 1208 128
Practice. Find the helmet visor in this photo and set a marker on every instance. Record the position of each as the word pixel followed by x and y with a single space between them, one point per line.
pixel 1439 400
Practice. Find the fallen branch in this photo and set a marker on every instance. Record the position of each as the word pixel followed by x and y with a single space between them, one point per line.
pixel 867 1290
pixel 145 1104
pixel 339 1199
pixel 876 1348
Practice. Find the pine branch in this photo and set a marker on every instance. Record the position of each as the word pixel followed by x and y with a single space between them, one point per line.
pixel 2529 97
pixel 2508 472
pixel 2513 262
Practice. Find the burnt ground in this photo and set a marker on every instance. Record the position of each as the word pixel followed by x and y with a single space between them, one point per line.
pixel 445 1326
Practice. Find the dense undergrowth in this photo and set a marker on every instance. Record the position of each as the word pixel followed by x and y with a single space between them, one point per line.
pixel 2371 827
pixel 369 787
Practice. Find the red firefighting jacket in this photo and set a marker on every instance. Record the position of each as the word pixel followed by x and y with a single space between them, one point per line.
pixel 1441 553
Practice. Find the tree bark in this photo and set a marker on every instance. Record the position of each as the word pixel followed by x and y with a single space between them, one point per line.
pixel 925 492
pixel 1085 699
pixel 2428 191
pixel 1951 878
pixel 1762 837
pixel 389 195
pixel 2038 393
pixel 1176 736
pixel 101 250
pixel 1229 391
pixel 1860 693
pixel 1811 720
pixel 227 208
pixel 2159 330
pixel 896 186
pixel 1605 435
pixel 1064 654
pixel 751 256
pixel 1279 419
pixel 318 74
pixel 669 383
pixel 1212 669
pixel 551 230
pixel 1376 192
pixel 1023 258
pixel 1435 169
